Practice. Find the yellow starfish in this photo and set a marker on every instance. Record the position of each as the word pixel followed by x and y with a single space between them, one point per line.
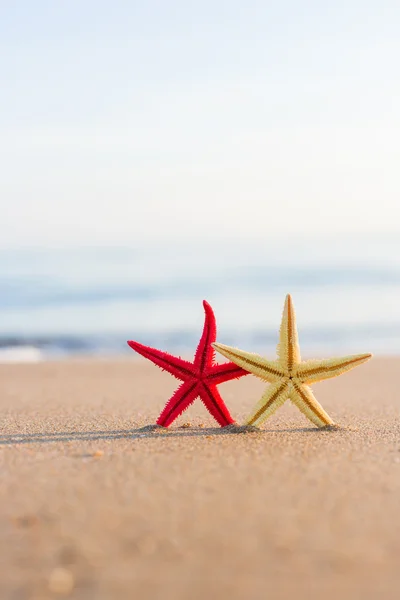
pixel 289 376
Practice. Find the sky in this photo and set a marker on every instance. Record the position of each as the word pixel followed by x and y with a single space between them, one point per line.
pixel 146 120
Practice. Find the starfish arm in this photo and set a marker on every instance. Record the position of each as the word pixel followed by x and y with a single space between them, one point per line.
pixel 317 370
pixel 181 369
pixel 205 353
pixel 304 399
pixel 179 401
pixel 272 399
pixel 253 363
pixel 225 372
pixel 215 404
pixel 288 349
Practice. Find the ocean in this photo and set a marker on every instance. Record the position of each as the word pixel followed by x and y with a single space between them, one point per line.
pixel 88 301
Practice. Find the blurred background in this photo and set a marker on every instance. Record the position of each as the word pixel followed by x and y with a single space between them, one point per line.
pixel 157 153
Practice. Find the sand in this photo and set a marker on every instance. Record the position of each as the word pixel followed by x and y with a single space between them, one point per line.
pixel 94 508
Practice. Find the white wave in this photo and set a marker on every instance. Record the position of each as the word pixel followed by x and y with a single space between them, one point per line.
pixel 20 354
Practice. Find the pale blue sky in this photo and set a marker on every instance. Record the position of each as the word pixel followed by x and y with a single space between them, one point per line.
pixel 130 120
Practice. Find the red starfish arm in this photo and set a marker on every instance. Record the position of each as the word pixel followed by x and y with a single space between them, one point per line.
pixel 179 401
pixel 225 372
pixel 181 369
pixel 215 405
pixel 205 353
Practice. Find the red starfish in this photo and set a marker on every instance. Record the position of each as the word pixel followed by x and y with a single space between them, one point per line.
pixel 200 378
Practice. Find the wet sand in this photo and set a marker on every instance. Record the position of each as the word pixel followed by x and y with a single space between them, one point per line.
pixel 92 507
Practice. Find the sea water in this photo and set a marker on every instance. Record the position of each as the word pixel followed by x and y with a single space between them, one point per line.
pixel 90 300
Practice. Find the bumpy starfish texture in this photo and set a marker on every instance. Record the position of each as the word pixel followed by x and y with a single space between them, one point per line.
pixel 200 378
pixel 289 376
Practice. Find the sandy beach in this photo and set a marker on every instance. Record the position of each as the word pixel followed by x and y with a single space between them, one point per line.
pixel 94 508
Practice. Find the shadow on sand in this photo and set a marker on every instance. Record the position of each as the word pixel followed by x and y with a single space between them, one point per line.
pixel 148 432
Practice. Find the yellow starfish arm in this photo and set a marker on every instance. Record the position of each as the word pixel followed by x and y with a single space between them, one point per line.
pixel 288 349
pixel 304 399
pixel 312 371
pixel 272 399
pixel 265 369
